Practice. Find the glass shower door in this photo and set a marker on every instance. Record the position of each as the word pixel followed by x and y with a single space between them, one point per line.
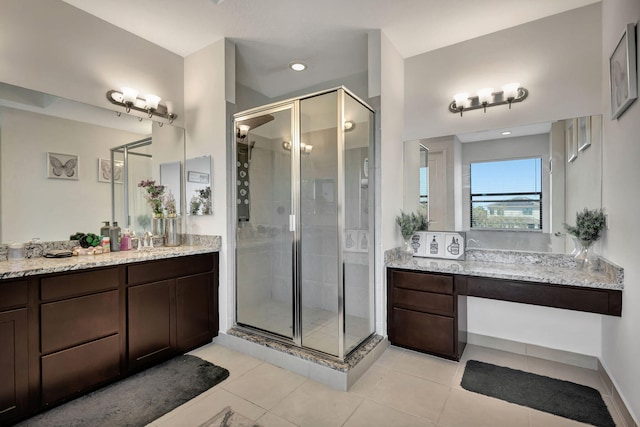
pixel 264 240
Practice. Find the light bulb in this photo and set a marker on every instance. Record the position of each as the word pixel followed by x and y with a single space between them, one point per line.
pixel 129 94
pixel 510 90
pixel 461 99
pixel 485 95
pixel 152 101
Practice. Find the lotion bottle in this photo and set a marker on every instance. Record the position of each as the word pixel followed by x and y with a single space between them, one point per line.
pixel 114 237
pixel 125 240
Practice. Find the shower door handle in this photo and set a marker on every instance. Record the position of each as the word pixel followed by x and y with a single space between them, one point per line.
pixel 292 223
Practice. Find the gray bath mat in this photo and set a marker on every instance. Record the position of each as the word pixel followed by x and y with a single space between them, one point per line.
pixel 562 398
pixel 139 399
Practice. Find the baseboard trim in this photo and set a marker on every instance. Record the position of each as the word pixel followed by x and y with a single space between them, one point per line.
pixel 560 356
pixel 615 396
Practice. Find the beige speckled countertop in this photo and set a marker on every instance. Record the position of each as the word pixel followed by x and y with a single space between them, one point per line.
pixel 522 266
pixel 30 267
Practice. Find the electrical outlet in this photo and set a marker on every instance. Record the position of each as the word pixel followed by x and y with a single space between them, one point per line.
pixel 606 221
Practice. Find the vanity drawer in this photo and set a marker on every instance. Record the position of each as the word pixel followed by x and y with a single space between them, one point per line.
pixel 69 285
pixel 71 371
pixel 13 294
pixel 441 284
pixel 78 320
pixel 156 271
pixel 424 332
pixel 423 301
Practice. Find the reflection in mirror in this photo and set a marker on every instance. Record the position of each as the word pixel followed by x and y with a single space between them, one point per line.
pixel 198 185
pixel 563 188
pixel 33 124
pixel 171 178
pixel 128 209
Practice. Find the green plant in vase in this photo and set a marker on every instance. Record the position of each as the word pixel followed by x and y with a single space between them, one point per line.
pixel 409 223
pixel 588 229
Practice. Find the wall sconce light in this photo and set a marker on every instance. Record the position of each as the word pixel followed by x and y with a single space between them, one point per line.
pixel 242 132
pixel 304 148
pixel 128 98
pixel 486 97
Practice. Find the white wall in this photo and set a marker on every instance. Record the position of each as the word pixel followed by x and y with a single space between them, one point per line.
pixel 621 175
pixel 390 176
pixel 55 48
pixel 206 93
pixel 558 60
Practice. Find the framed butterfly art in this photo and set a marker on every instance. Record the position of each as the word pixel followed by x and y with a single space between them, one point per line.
pixel 104 171
pixel 62 166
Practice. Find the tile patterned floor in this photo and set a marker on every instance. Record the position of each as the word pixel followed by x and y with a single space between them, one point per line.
pixel 403 388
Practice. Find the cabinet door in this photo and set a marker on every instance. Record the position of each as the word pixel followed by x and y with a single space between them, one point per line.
pixel 13 363
pixel 151 324
pixel 195 311
pixel 423 331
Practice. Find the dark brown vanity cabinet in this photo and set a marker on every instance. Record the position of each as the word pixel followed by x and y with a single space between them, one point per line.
pixel 426 313
pixel 174 313
pixel 14 382
pixel 65 334
pixel 79 332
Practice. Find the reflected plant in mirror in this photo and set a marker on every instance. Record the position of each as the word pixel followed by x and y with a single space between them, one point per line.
pixel 154 195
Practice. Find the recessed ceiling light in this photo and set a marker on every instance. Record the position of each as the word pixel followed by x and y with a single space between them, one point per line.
pixel 506 132
pixel 297 66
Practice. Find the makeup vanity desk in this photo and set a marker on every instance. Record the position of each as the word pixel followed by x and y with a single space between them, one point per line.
pixel 427 297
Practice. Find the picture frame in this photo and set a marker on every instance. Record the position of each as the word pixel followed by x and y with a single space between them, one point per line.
pixel 198 177
pixel 584 133
pixel 439 244
pixel 571 140
pixel 104 171
pixel 623 77
pixel 63 166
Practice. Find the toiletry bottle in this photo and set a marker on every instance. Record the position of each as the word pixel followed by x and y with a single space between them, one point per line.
pixel 106 244
pixel 114 236
pixel 125 240
pixel 104 230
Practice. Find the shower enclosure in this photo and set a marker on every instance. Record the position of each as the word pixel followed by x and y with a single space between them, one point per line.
pixel 304 221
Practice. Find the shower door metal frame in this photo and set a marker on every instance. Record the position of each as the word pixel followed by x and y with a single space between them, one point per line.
pixel 294 219
pixel 296 222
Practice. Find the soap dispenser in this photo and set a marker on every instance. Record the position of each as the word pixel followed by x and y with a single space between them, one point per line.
pixel 105 229
pixel 114 237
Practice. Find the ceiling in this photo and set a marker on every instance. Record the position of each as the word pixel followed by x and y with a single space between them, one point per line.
pixel 329 35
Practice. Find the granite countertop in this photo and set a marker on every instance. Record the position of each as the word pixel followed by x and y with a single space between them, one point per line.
pixel 529 268
pixel 29 267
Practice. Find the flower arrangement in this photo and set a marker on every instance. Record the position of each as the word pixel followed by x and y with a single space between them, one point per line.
pixel 169 203
pixel 589 225
pixel 409 223
pixel 154 195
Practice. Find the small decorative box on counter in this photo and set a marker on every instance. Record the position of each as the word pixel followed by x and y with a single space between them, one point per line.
pixel 438 244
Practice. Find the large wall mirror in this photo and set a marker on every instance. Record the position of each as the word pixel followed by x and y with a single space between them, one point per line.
pixel 56 170
pixel 510 188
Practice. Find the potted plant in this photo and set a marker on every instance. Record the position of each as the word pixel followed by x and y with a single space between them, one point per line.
pixel 409 223
pixel 588 229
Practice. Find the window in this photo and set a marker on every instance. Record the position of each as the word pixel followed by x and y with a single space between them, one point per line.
pixel 507 194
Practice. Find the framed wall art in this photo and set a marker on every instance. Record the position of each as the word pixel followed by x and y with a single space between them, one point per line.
pixel 104 171
pixel 62 166
pixel 622 73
